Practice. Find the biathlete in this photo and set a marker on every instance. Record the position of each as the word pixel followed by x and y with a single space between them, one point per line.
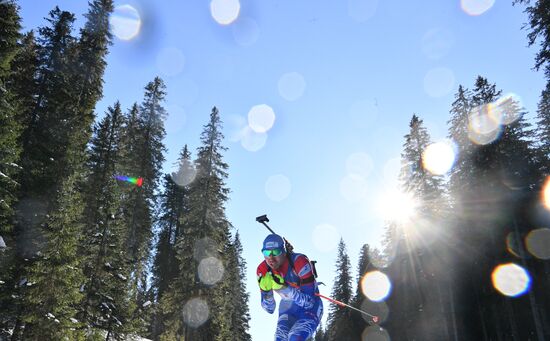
pixel 291 275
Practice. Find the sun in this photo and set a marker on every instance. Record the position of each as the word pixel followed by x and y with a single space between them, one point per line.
pixel 395 205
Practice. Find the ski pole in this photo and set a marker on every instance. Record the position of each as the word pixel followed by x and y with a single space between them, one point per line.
pixel 262 220
pixel 342 304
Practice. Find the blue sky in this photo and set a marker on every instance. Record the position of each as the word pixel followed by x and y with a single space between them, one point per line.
pixel 342 79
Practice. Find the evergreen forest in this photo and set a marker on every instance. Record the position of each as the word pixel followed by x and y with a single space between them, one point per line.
pixel 97 243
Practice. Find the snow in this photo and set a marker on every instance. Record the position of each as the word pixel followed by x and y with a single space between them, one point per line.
pixel 2 243
pixel 122 277
pixel 15 165
pixel 146 304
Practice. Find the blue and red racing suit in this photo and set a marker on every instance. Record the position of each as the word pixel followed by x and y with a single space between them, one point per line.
pixel 299 310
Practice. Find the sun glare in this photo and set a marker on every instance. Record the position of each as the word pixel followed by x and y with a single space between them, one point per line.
pixel 397 206
pixel 546 194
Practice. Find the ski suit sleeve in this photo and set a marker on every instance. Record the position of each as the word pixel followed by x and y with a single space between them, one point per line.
pixel 303 295
pixel 267 299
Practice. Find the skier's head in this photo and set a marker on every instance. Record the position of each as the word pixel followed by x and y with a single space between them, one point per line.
pixel 274 250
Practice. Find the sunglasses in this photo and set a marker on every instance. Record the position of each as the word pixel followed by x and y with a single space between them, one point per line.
pixel 274 252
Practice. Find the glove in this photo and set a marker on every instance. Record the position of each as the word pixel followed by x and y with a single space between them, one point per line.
pixel 269 281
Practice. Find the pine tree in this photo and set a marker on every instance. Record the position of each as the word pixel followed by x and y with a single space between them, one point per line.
pixel 539 21
pixel 238 296
pixel 490 185
pixel 205 238
pixel 143 155
pixel 543 129
pixel 22 81
pixel 9 126
pixel 320 335
pixel 10 129
pixel 173 210
pixel 359 300
pixel 339 325
pixel 415 269
pixel 53 172
pixel 105 267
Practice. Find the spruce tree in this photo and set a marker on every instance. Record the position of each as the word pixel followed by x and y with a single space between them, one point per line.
pixel 173 211
pixel 543 129
pixel 491 185
pixel 205 238
pixel 359 300
pixel 539 21
pixel 143 155
pixel 238 297
pixel 339 324
pixel 54 145
pixel 415 271
pixel 9 126
pixel 105 305
pixel 10 129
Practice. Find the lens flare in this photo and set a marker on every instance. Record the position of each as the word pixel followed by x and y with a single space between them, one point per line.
pixel 379 309
pixel 251 140
pixel 261 118
pixel 195 312
pixel 353 187
pixel 291 86
pixel 277 187
pixel 375 333
pixel 511 279
pixel 538 243
pixel 184 178
pixel 437 43
pixel 439 82
pixel 362 10
pixel 397 206
pixel 225 11
pixel 439 157
pixel 325 237
pixel 513 243
pixel 176 118
pixel 476 7
pixel 546 193
pixel 375 285
pixel 482 128
pixel 506 109
pixel 170 61
pixel 204 248
pixel 359 164
pixel 245 31
pixel 125 22
pixel 210 270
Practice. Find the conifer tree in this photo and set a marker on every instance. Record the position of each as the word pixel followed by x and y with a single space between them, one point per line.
pixel 539 21
pixel 143 155
pixel 543 129
pixel 10 129
pixel 320 335
pixel 173 211
pixel 339 324
pixel 54 145
pixel 238 297
pixel 105 267
pixel 9 126
pixel 22 81
pixel 492 181
pixel 205 238
pixel 415 269
pixel 359 300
